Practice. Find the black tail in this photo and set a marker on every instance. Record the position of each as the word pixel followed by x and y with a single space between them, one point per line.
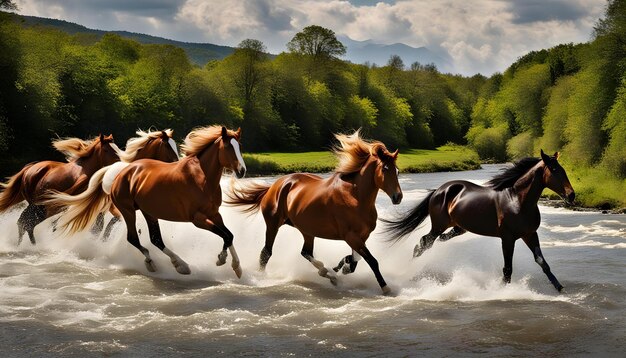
pixel 405 225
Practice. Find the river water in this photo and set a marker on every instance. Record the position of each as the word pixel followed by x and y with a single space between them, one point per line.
pixel 80 295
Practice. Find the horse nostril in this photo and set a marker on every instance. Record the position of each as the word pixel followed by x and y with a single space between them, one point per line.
pixel 396 198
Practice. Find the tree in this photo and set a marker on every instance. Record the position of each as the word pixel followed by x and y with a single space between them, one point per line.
pixel 249 56
pixel 8 5
pixel 316 41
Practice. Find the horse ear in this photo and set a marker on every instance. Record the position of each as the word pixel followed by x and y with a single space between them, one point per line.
pixel 101 137
pixel 545 157
pixel 395 154
pixel 238 132
pixel 224 133
pixel 557 155
pixel 164 135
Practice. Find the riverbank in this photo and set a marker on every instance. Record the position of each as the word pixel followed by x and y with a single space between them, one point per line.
pixel 443 159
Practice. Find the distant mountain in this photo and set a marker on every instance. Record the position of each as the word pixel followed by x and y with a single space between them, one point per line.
pixel 199 53
pixel 369 51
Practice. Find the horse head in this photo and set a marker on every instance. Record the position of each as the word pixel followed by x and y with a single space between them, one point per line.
pixel 555 178
pixel 161 147
pixel 106 150
pixel 386 174
pixel 230 152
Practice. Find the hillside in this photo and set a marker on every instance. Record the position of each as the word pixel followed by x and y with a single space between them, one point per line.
pixel 199 53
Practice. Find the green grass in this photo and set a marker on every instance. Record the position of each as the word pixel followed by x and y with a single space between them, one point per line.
pixel 445 158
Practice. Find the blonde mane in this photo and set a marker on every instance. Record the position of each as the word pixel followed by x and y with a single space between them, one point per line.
pixel 73 148
pixel 353 151
pixel 135 144
pixel 200 138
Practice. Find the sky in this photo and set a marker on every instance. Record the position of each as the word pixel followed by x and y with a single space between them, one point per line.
pixel 481 36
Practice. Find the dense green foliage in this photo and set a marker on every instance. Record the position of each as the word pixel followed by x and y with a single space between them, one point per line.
pixel 570 98
pixel 55 83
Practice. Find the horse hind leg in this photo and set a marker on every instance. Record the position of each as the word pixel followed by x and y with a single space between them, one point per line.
pixel 347 265
pixel 426 242
pixel 455 231
pixel 32 216
pixel 97 227
pixel 157 240
pixel 133 238
pixel 307 253
pixel 266 252
pixel 107 231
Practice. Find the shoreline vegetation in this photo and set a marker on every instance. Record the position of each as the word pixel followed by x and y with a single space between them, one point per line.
pixel 446 158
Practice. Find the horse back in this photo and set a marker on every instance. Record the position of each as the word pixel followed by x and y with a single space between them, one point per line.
pixel 49 175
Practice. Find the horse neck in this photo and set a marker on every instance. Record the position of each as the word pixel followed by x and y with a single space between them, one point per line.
pixel 89 164
pixel 210 165
pixel 529 187
pixel 365 185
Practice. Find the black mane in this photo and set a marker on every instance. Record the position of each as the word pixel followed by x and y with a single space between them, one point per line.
pixel 509 176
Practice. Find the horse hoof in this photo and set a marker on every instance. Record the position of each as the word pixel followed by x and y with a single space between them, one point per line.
pixel 183 269
pixel 346 270
pixel 238 271
pixel 221 258
pixel 333 280
pixel 386 290
pixel 559 288
pixel 323 272
pixel 150 265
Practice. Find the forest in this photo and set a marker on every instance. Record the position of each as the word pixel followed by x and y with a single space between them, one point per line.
pixel 570 98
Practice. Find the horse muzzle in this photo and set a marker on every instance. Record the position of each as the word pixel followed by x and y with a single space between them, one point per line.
pixel 570 197
pixel 396 198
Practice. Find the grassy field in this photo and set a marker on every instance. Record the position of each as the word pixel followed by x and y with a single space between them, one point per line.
pixel 445 158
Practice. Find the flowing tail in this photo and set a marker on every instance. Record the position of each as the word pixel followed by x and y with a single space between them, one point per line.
pixel 247 194
pixel 12 193
pixel 83 209
pixel 405 225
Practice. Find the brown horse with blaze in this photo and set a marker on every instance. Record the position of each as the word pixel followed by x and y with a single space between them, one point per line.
pixel 341 207
pixel 35 179
pixel 185 191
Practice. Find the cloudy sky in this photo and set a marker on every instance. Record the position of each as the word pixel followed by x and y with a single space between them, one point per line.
pixel 479 35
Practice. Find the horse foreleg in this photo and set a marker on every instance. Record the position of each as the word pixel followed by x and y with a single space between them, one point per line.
pixel 532 242
pixel 508 245
pixel 348 263
pixel 157 240
pixel 216 225
pixel 307 253
pixel 373 263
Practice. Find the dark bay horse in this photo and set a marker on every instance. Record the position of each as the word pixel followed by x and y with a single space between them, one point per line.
pixel 341 207
pixel 185 191
pixel 35 179
pixel 506 208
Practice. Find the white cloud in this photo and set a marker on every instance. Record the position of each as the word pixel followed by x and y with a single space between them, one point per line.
pixel 480 35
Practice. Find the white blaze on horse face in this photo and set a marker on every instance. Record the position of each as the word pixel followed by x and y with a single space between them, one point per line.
pixel 173 145
pixel 235 144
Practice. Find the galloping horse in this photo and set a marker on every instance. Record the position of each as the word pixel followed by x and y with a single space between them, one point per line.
pixel 186 191
pixel 32 182
pixel 157 145
pixel 341 207
pixel 505 208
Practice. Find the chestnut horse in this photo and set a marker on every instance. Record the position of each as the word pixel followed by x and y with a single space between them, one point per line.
pixel 32 182
pixel 186 191
pixel 341 207
pixel 157 145
pixel 505 208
